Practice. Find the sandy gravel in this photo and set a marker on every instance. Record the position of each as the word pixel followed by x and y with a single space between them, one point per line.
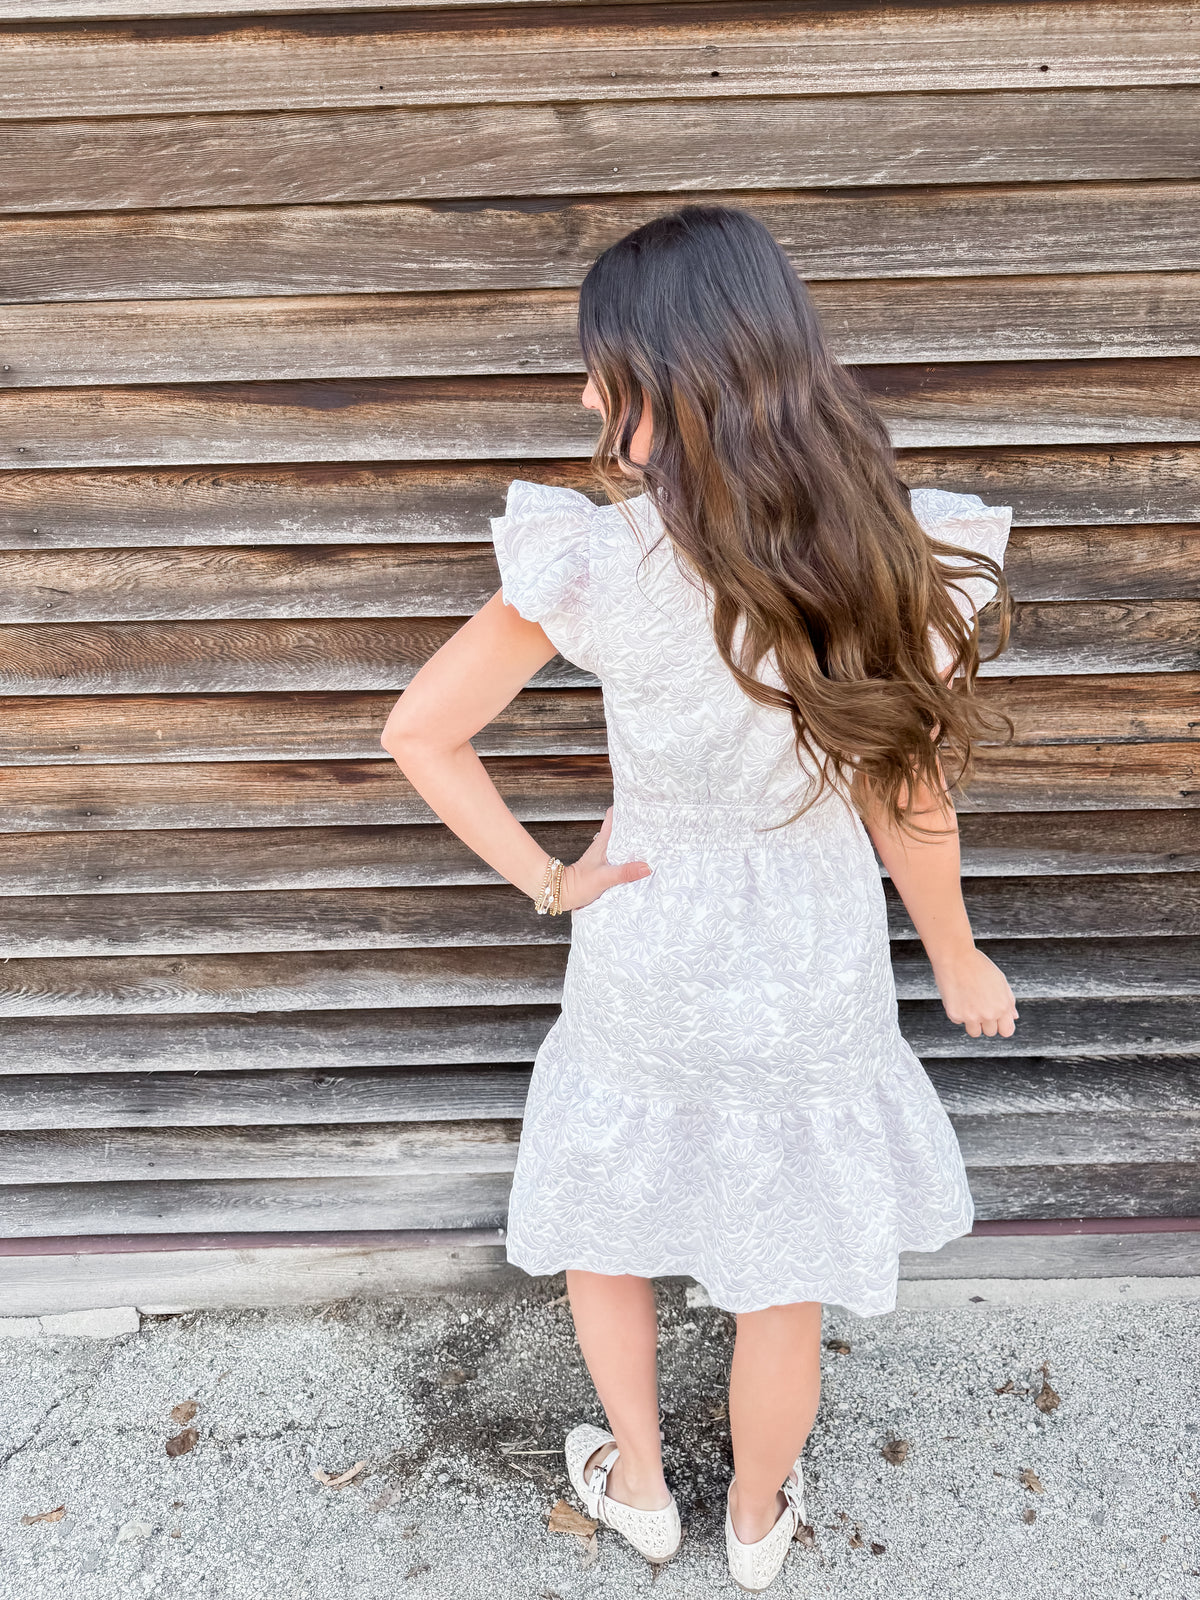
pixel 458 1408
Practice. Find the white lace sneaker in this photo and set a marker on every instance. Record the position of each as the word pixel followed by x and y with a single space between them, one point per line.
pixel 755 1566
pixel 654 1534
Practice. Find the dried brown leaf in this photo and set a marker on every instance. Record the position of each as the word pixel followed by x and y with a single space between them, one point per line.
pixel 1029 1514
pixel 838 1346
pixel 565 1519
pixel 591 1552
pixel 56 1515
pixel 185 1410
pixel 895 1451
pixel 878 1549
pixel 1046 1399
pixel 415 1572
pixel 338 1480
pixel 1005 1388
pixel 182 1442
pixel 856 1542
pixel 806 1534
pixel 1030 1480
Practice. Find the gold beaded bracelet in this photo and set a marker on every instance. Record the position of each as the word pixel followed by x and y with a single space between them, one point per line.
pixel 548 901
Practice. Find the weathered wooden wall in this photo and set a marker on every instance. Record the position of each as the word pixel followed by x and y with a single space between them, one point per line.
pixel 287 301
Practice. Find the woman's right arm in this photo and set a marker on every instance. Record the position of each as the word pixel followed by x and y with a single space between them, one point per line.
pixel 459 690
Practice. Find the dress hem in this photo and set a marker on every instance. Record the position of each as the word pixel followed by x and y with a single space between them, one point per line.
pixel 862 1305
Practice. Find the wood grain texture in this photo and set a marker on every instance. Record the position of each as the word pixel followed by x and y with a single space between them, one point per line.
pixel 1141 561
pixel 171 1281
pixel 1133 1189
pixel 377 653
pixel 1057 486
pixel 391 248
pixel 516 975
pixel 86 730
pixel 943 407
pixel 418 855
pixel 450 502
pixel 576 148
pixel 249 1205
pixel 373 580
pixel 438 502
pixel 293 794
pixel 394 919
pixel 256 1099
pixel 976 1088
pixel 242 1041
pixel 694 51
pixel 218 1040
pixel 349 1150
pixel 981 1088
pixel 44 10
pixel 480 1200
pixel 477 1146
pixel 185 657
pixel 1054 969
pixel 1050 317
pixel 257 921
pixel 1028 778
pixel 1145 561
pixel 1065 1027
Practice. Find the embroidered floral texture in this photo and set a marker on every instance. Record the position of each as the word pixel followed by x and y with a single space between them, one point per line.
pixel 727 1093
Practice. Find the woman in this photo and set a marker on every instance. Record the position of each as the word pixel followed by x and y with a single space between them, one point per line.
pixel 787 649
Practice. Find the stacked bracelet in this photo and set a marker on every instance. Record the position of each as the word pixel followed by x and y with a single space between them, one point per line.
pixel 548 901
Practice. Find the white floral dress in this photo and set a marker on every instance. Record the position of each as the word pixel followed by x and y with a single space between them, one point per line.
pixel 726 1093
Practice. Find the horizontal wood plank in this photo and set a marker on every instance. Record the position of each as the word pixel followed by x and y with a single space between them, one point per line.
pixel 696 51
pixel 44 10
pixel 1080 317
pixel 232 1040
pixel 1120 1026
pixel 377 653
pixel 547 789
pixel 417 855
pixel 943 406
pixel 256 921
pixel 477 1146
pixel 255 1099
pixel 622 147
pixel 974 1089
pixel 1133 1189
pixel 451 502
pixel 318 1041
pixel 475 1200
pixel 549 244
pixel 248 1205
pixel 258 1274
pixel 85 730
pixel 351 1150
pixel 516 975
pixel 1144 561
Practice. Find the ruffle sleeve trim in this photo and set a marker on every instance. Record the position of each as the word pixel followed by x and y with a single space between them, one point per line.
pixel 542 549
pixel 966 521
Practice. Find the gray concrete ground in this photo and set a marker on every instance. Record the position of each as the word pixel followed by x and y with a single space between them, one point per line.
pixel 458 1408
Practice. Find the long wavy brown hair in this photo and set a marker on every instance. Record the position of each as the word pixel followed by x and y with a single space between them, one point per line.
pixel 776 482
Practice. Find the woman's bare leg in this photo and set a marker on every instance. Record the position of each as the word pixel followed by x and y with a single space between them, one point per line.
pixel 617 1326
pixel 774 1387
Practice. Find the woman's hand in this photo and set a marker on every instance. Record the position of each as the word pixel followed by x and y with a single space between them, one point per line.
pixel 587 879
pixel 976 994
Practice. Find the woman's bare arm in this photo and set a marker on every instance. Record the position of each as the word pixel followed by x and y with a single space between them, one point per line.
pixel 925 870
pixel 459 690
